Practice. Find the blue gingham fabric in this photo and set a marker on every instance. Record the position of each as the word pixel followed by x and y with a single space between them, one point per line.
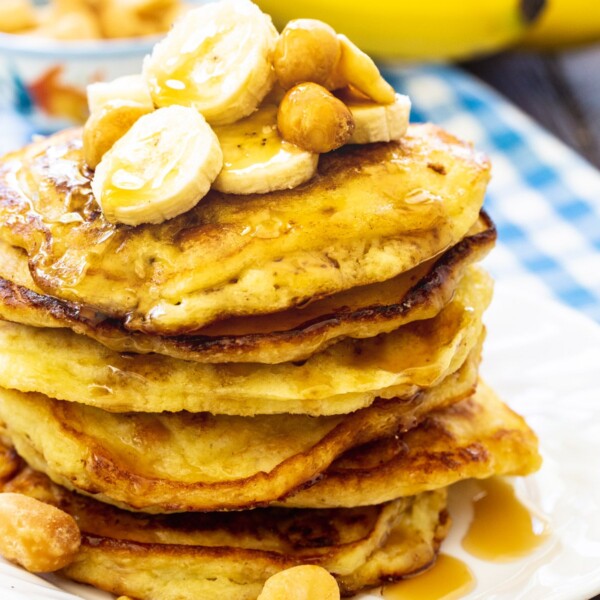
pixel 544 198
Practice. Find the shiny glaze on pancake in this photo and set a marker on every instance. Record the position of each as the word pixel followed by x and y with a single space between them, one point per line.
pixel 289 335
pixel 371 213
pixel 344 377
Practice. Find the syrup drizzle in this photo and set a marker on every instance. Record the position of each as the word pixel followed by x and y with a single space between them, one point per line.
pixel 448 579
pixel 502 529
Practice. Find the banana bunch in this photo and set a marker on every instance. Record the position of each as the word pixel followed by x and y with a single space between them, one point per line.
pixel 565 23
pixel 432 29
pixel 225 101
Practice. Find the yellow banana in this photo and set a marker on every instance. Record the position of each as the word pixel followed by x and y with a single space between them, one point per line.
pixel 162 167
pixel 132 88
pixel 217 60
pixel 431 29
pixel 565 23
pixel 256 160
pixel 376 122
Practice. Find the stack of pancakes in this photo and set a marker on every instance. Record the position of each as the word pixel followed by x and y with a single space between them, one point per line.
pixel 264 381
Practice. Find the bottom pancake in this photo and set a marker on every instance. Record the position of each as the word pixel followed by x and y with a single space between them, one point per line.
pixel 216 556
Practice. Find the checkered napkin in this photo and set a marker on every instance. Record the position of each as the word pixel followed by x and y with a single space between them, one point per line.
pixel 544 198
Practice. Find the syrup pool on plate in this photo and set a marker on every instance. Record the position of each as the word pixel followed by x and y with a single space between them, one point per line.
pixel 449 579
pixel 503 528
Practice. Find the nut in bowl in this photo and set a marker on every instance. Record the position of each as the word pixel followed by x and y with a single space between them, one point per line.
pixel 51 50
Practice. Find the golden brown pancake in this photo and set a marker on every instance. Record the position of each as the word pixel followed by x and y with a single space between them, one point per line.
pixel 214 556
pixel 289 335
pixel 345 377
pixel 370 213
pixel 191 462
pixel 478 437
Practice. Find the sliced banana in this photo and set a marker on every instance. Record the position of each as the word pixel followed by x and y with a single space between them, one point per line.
pixel 376 122
pixel 256 160
pixel 217 60
pixel 107 125
pixel 358 69
pixel 131 88
pixel 160 168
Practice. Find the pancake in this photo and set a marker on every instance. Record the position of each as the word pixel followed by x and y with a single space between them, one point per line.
pixel 475 438
pixel 289 335
pixel 192 462
pixel 370 213
pixel 345 377
pixel 230 555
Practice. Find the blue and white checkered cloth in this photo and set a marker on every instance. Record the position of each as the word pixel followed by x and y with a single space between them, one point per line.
pixel 544 198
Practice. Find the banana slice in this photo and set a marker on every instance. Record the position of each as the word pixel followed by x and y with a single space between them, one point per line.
pixel 105 126
pixel 256 160
pixel 130 88
pixel 376 122
pixel 159 169
pixel 217 60
pixel 358 69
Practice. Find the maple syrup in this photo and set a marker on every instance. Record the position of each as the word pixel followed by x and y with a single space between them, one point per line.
pixel 448 579
pixel 503 528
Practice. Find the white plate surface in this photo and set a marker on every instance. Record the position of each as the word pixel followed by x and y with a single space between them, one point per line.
pixel 544 360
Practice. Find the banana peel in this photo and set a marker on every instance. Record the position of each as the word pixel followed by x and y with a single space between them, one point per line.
pixel 565 23
pixel 429 30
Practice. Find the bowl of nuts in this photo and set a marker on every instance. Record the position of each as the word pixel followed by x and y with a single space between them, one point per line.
pixel 50 50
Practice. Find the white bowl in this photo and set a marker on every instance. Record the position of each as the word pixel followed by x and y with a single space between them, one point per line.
pixel 44 80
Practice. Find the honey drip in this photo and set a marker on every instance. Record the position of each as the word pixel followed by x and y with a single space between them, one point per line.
pixel 448 579
pixel 503 528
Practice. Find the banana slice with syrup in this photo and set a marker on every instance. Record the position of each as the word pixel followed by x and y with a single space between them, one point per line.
pixel 375 122
pixel 160 168
pixel 218 60
pixel 129 88
pixel 256 160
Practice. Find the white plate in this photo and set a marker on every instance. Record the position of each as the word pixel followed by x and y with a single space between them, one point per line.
pixel 544 360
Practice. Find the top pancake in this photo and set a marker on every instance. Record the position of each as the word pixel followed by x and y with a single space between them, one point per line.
pixel 289 335
pixel 371 213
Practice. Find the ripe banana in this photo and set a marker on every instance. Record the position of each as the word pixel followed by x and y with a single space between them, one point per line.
pixel 565 23
pixel 432 29
pixel 159 169
pixel 217 60
pixel 130 88
pixel 376 122
pixel 257 161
